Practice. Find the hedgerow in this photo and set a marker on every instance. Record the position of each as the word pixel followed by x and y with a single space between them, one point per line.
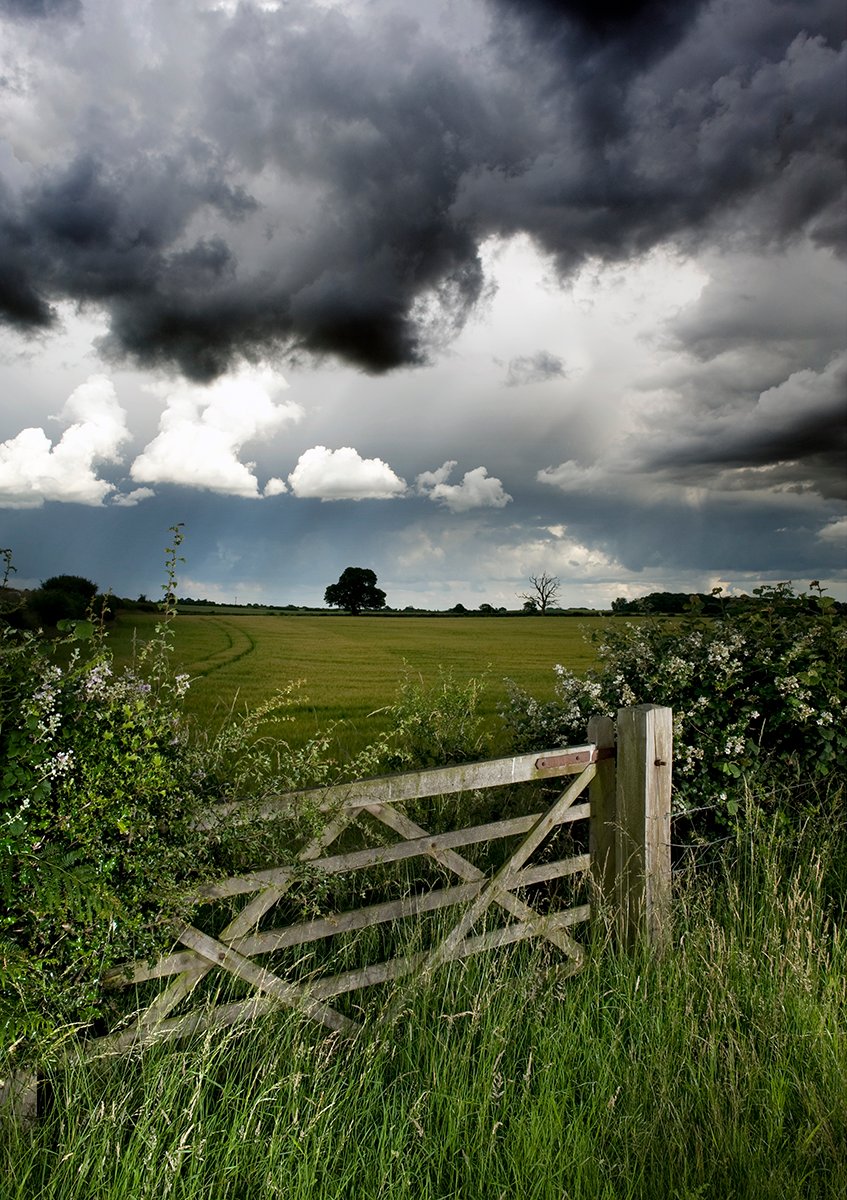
pixel 758 695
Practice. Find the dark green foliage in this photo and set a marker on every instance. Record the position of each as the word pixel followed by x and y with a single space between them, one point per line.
pixel 63 598
pixel 76 585
pixel 678 603
pixel 356 590
pixel 53 604
pixel 96 847
pixel 98 791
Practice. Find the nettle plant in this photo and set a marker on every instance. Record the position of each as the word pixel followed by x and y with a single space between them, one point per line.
pixel 757 695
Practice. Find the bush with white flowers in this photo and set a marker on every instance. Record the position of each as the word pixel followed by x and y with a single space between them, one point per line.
pixel 97 794
pixel 757 693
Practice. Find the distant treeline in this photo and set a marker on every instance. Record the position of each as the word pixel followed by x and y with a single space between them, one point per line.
pixel 661 604
pixel 68 596
pixel 189 604
pixel 677 603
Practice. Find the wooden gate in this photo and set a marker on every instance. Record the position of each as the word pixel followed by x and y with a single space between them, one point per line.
pixel 628 807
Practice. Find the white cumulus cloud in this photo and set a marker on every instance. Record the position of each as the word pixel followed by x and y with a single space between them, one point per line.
pixel 431 479
pixel 203 429
pixel 275 487
pixel 33 469
pixel 571 476
pixel 343 474
pixel 478 489
pixel 130 499
pixel 834 531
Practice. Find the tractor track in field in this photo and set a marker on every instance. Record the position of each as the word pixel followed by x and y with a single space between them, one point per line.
pixel 240 645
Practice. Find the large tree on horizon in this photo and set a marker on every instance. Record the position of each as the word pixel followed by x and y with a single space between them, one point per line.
pixel 356 590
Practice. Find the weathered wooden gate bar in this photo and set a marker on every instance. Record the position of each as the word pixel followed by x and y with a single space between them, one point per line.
pixel 359 860
pixel 245 1011
pixel 402 824
pixel 270 940
pixel 412 785
pixel 504 879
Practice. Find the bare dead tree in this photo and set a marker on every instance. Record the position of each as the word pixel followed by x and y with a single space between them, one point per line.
pixel 545 589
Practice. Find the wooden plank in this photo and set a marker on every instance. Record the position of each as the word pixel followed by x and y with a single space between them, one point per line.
pixel 645 737
pixel 500 882
pixel 270 940
pixel 221 1016
pixel 602 797
pixel 466 870
pixel 19 1096
pixel 409 785
pixel 544 872
pixel 397 968
pixel 359 860
pixel 246 1011
pixel 292 995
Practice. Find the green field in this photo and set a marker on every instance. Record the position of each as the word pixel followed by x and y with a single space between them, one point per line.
pixel 351 666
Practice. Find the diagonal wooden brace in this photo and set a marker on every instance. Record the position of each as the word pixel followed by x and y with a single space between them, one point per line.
pixel 501 895
pixel 250 915
pixel 219 955
pixel 498 887
pixel 466 870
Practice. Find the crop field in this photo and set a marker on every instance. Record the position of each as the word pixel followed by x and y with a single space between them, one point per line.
pixel 351 666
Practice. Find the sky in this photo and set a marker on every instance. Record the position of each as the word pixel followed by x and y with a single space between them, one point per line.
pixel 462 292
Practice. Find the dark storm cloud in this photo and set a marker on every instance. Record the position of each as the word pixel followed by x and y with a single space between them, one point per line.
pixel 320 180
pixel 793 439
pixel 761 397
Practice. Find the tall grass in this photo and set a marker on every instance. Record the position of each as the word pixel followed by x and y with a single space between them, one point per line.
pixel 717 1070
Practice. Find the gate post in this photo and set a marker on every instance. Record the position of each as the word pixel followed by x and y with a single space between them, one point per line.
pixel 603 819
pixel 19 1096
pixel 642 842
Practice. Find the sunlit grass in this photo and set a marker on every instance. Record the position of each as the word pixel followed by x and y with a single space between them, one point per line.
pixel 351 666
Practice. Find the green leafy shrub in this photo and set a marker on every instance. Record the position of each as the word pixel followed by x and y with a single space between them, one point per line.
pixel 100 788
pixel 758 693
pixel 97 796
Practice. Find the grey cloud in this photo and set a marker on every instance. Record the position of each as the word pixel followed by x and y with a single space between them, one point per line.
pixel 535 368
pixel 795 437
pixel 41 9
pixel 318 181
pixel 758 401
